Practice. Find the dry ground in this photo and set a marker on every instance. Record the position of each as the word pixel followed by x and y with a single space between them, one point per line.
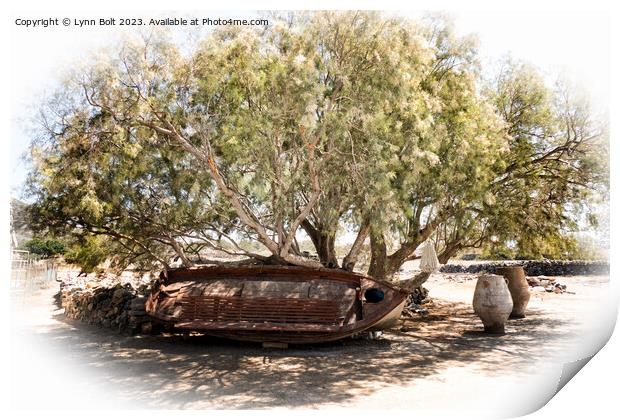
pixel 440 361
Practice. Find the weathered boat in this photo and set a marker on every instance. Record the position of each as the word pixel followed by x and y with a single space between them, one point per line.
pixel 274 304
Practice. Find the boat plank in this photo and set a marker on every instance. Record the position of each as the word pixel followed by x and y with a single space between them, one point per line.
pixel 277 310
pixel 257 326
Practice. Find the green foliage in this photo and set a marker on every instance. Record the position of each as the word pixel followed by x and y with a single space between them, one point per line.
pixel 497 251
pixel 89 254
pixel 556 166
pixel 555 247
pixel 331 120
pixel 45 248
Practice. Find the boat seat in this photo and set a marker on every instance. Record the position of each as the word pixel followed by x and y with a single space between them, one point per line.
pixel 258 313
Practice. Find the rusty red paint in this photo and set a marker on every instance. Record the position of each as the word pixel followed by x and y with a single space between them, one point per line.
pixel 273 303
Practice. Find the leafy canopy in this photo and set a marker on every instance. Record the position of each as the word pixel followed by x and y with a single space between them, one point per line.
pixel 324 122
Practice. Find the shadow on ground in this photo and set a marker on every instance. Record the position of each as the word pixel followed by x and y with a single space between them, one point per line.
pixel 168 371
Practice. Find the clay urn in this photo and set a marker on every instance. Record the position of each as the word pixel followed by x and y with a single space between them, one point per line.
pixel 518 287
pixel 492 302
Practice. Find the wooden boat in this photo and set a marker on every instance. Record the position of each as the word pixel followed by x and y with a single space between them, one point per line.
pixel 274 304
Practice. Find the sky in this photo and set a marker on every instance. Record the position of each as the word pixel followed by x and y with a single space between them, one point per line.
pixel 571 44
pixel 574 45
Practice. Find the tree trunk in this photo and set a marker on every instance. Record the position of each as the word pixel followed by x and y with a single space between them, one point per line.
pixel 327 250
pixel 349 261
pixel 448 253
pixel 178 249
pixel 324 242
pixel 378 256
pixel 385 266
pixel 414 282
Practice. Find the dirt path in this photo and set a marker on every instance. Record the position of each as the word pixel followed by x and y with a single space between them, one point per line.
pixel 439 361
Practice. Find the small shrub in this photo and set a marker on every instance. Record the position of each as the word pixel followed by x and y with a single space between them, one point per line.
pixel 45 248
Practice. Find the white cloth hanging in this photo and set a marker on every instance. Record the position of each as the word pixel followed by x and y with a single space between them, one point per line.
pixel 429 261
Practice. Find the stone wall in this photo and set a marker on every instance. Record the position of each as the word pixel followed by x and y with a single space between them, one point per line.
pixel 117 306
pixel 536 268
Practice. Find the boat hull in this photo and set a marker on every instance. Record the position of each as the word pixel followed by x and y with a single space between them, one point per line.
pixel 274 303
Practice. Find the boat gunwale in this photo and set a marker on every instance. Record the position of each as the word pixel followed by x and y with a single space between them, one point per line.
pixel 263 270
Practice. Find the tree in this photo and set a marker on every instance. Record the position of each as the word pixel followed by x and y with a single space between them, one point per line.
pixel 92 251
pixel 557 163
pixel 319 122
pixel 45 248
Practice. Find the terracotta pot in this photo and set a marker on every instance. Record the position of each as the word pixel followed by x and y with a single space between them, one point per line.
pixel 492 302
pixel 518 287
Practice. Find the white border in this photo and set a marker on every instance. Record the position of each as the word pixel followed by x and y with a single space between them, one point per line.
pixel 591 394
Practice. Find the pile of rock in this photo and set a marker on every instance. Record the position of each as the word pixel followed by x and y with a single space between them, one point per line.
pixel 546 284
pixel 419 295
pixel 535 268
pixel 106 303
pixel 415 301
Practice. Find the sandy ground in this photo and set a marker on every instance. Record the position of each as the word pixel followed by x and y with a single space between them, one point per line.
pixel 439 361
